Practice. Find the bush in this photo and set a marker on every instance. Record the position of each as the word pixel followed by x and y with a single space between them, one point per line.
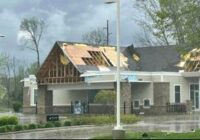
pixel 17 107
pixel 49 124
pixel 67 123
pixel 102 119
pixel 3 129
pixel 9 127
pixel 40 126
pixel 57 124
pixel 105 97
pixel 32 126
pixel 8 120
pixel 25 127
pixel 18 127
pixel 12 120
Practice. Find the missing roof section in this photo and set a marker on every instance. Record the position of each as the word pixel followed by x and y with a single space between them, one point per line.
pixel 97 59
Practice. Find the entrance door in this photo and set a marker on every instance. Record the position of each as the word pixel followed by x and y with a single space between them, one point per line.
pixel 194 96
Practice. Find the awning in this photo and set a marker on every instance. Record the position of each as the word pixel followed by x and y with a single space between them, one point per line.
pixel 105 77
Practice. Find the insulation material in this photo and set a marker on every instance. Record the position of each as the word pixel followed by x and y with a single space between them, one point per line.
pixel 191 61
pixel 111 55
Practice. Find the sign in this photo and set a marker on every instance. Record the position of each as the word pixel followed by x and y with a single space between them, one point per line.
pixel 52 117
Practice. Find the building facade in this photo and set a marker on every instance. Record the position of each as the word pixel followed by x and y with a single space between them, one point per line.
pixel 151 83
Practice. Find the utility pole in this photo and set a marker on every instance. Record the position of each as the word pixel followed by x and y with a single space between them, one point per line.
pixel 107 33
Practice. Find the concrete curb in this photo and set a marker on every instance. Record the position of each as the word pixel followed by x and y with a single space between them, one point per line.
pixel 53 128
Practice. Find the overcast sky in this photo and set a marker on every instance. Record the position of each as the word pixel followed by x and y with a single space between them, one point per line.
pixel 67 20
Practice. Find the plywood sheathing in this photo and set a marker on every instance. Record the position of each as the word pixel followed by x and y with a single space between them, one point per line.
pixel 111 54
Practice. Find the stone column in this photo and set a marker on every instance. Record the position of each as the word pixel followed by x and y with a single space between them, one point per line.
pixel 42 90
pixel 44 100
pixel 126 97
pixel 26 100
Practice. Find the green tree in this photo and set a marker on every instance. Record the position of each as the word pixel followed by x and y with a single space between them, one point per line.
pixel 105 97
pixel 34 28
pixel 173 21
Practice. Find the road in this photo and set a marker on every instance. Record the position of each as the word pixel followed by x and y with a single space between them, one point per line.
pixel 178 123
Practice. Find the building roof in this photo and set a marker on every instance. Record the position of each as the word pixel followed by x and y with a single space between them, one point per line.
pixel 88 57
pixel 152 58
pixel 191 61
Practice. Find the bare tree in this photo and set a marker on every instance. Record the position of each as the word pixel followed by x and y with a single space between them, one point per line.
pixel 95 37
pixel 34 29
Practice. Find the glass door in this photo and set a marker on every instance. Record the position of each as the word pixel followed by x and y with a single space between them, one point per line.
pixel 194 96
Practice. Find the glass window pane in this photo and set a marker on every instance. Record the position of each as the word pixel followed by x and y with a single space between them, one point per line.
pixel 196 87
pixel 136 103
pixel 146 102
pixel 177 88
pixel 191 87
pixel 177 97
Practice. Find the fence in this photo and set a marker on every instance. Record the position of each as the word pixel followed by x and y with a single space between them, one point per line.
pixel 177 107
pixel 126 108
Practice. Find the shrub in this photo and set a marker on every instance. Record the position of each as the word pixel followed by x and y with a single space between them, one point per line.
pixel 102 119
pixel 40 126
pixel 9 127
pixel 49 124
pixel 105 97
pixel 17 107
pixel 3 129
pixel 25 127
pixel 32 126
pixel 18 127
pixel 67 123
pixel 8 120
pixel 12 120
pixel 57 124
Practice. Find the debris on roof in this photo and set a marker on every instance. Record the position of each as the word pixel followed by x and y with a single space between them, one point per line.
pixel 191 61
pixel 111 55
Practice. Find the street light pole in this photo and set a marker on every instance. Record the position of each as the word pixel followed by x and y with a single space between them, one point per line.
pixel 118 65
pixel 117 127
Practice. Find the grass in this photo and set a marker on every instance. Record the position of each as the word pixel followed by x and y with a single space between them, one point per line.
pixel 156 135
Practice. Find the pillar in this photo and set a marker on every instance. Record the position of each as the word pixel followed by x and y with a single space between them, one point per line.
pixel 44 100
pixel 126 97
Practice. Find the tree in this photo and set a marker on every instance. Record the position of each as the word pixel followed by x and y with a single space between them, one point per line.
pixel 105 97
pixel 173 21
pixel 34 29
pixel 95 37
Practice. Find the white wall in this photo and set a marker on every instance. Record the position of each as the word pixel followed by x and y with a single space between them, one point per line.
pixel 184 84
pixel 64 97
pixel 141 90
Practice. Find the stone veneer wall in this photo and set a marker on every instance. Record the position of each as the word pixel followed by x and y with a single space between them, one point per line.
pixel 126 97
pixel 45 100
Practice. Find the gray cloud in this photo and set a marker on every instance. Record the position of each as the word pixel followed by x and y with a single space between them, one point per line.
pixel 66 20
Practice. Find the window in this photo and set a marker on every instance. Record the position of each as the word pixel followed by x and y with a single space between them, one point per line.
pixel 35 96
pixel 136 104
pixel 177 94
pixel 146 103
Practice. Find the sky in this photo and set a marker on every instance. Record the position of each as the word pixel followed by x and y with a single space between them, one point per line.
pixel 66 20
